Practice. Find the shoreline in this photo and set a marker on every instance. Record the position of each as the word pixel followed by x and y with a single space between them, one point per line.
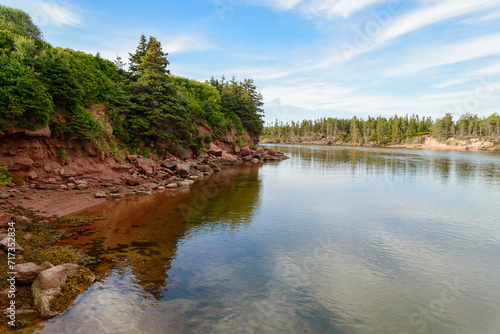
pixel 476 144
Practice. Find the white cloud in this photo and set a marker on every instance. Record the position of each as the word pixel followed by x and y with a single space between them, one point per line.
pixel 450 54
pixel 184 43
pixel 336 8
pixel 449 83
pixel 47 12
pixel 329 9
pixel 442 10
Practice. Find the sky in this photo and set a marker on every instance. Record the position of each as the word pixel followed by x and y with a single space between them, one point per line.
pixel 309 58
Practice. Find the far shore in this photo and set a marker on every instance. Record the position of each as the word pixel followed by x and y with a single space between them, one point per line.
pixel 476 144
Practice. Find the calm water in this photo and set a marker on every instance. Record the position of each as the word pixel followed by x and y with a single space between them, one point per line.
pixel 334 240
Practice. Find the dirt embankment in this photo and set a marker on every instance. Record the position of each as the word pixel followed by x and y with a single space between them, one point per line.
pixel 426 142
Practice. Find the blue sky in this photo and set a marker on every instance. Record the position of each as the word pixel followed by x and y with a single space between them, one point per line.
pixel 310 58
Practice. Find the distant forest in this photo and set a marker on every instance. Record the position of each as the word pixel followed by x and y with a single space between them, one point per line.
pixel 381 130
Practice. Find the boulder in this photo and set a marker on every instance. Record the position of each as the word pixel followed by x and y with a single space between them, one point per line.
pixel 5 219
pixel 214 150
pixel 26 273
pixel 4 245
pixel 168 164
pixel 172 185
pixel 245 150
pixel 21 222
pixel 146 170
pixel 145 162
pixel 205 169
pixel 228 159
pixel 183 169
pixel 43 132
pixel 32 175
pixel 132 157
pixel 132 181
pixel 237 150
pixel 4 195
pixel 24 162
pixel 151 186
pixel 50 282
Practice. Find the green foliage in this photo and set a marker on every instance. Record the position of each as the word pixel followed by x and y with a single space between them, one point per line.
pixel 18 22
pixel 63 156
pixel 5 176
pixel 41 85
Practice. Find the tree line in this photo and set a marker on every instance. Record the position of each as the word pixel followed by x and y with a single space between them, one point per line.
pixel 147 106
pixel 382 130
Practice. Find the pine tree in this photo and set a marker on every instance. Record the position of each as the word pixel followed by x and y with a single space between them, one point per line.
pixel 153 66
pixel 136 58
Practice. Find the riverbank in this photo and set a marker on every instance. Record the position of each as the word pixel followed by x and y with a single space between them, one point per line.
pixel 62 191
pixel 426 142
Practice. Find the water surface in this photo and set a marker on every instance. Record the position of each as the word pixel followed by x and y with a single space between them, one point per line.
pixel 334 240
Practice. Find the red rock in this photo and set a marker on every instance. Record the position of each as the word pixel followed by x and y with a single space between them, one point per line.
pixel 4 245
pixel 32 175
pixel 146 170
pixel 21 222
pixel 183 169
pixel 237 150
pixel 205 169
pixel 133 181
pixel 24 162
pixel 5 219
pixel 52 180
pixel 43 132
pixel 228 159
pixel 214 150
pixel 132 157
pixel 245 150
pixel 26 273
pixel 169 164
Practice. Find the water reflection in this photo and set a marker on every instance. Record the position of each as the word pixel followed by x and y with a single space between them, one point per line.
pixel 334 240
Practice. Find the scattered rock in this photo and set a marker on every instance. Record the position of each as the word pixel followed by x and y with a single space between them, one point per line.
pixel 183 169
pixel 4 245
pixel 228 159
pixel 144 192
pixel 151 185
pixel 132 181
pixel 115 196
pixel 161 188
pixel 172 185
pixel 168 164
pixel 50 283
pixel 146 170
pixel 255 161
pixel 26 273
pixel 21 222
pixel 100 195
pixel 245 150
pixel 5 219
pixel 4 195
pixel 132 157
pixel 214 150
pixel 32 175
pixel 27 237
pixel 184 183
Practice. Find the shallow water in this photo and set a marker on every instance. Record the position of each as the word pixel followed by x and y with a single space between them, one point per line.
pixel 334 240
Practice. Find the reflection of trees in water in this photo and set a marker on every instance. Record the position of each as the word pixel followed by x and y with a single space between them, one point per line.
pixel 388 161
pixel 229 199
pixel 141 236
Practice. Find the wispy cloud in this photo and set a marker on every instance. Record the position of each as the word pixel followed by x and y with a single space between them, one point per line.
pixel 332 9
pixel 450 54
pixel 50 12
pixel 329 9
pixel 439 11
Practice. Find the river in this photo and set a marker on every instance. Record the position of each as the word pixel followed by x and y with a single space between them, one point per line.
pixel 335 240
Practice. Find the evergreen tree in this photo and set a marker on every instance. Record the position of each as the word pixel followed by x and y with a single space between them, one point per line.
pixel 136 58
